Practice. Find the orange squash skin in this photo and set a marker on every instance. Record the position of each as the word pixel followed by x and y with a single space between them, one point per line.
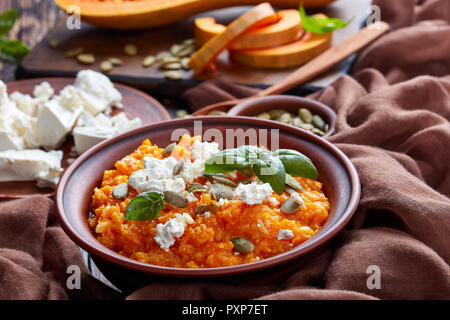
pixel 154 13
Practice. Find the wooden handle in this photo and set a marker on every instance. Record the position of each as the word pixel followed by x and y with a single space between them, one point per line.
pixel 328 59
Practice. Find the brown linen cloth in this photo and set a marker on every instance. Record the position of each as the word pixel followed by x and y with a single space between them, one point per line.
pixel 393 123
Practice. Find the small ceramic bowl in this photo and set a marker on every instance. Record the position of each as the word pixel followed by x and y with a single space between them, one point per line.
pixel 291 104
pixel 74 193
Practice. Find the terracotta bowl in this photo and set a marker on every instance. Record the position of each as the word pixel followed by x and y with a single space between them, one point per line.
pixel 291 104
pixel 74 192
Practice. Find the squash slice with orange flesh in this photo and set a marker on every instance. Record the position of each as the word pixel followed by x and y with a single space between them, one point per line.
pixel 206 54
pixel 283 31
pixel 289 55
pixel 141 14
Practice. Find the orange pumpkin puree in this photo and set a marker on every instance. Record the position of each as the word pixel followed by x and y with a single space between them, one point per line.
pixel 207 242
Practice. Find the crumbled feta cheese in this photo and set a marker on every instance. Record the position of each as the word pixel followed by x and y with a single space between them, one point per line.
pixel 43 90
pixel 192 170
pixel 69 98
pixel 167 233
pixel 28 165
pixel 204 150
pixel 96 91
pixel 160 168
pixel 253 193
pixel 284 234
pixel 26 103
pixel 54 122
pixel 143 181
pixel 273 201
pixel 207 214
pixel 297 198
pixel 122 124
pixel 222 202
pixel 191 197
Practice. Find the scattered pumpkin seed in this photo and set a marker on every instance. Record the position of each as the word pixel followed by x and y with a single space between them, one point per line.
pixel 318 122
pixel 185 52
pixel 189 42
pixel 86 58
pixel 160 56
pixel 194 185
pixel 115 61
pixel 264 115
pixel 293 183
pixel 130 49
pixel 148 61
pixel 171 66
pixel 222 193
pixel 106 66
pixel 245 181
pixel 175 199
pixel 327 127
pixel 168 150
pixel 224 181
pixel 181 113
pixel 173 75
pixel 175 49
pixel 290 206
pixel 120 191
pixel 170 59
pixel 275 113
pixel 184 63
pixel 53 43
pixel 178 167
pixel 211 175
pixel 73 52
pixel 242 245
pixel 202 208
pixel 297 122
pixel 318 132
pixel 305 115
pixel 289 190
pixel 285 118
pixel 306 126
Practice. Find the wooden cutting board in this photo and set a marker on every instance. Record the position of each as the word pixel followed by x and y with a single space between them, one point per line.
pixel 45 61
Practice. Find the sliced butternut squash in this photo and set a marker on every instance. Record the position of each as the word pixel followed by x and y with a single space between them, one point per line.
pixel 207 53
pixel 286 29
pixel 289 55
pixel 125 14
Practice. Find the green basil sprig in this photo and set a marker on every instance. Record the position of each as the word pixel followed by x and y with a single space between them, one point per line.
pixel 269 167
pixel 145 206
pixel 321 25
pixel 10 50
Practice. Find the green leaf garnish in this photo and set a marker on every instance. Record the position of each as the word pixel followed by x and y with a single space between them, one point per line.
pixel 321 25
pixel 7 20
pixel 297 164
pixel 145 206
pixel 269 167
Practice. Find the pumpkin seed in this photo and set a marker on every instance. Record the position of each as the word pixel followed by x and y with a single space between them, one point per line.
pixel 318 122
pixel 53 43
pixel 217 113
pixel 73 52
pixel 242 245
pixel 211 175
pixel 130 49
pixel 285 118
pixel 173 75
pixel 222 192
pixel 297 122
pixel 318 132
pixel 184 63
pixel 171 66
pixel 290 206
pixel 327 127
pixel 293 183
pixel 178 167
pixel 120 191
pixel 194 185
pixel 175 199
pixel 106 66
pixel 224 181
pixel 164 54
pixel 181 113
pixel 275 113
pixel 148 61
pixel 289 190
pixel 170 59
pixel 248 172
pixel 263 115
pixel 185 52
pixel 306 126
pixel 86 58
pixel 168 150
pixel 189 42
pixel 305 115
pixel 115 61
pixel 245 181
pixel 202 208
pixel 174 49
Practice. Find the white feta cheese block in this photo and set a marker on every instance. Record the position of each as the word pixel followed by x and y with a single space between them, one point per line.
pixel 9 141
pixel 285 234
pixel 167 233
pixel 29 165
pixel 70 98
pixel 253 193
pixel 43 90
pixel 87 137
pixel 54 122
pixel 96 91
pixel 204 150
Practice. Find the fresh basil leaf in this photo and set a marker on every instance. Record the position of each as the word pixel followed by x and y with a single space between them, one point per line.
pixel 7 20
pixel 13 50
pixel 321 25
pixel 296 163
pixel 270 170
pixel 232 159
pixel 145 206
